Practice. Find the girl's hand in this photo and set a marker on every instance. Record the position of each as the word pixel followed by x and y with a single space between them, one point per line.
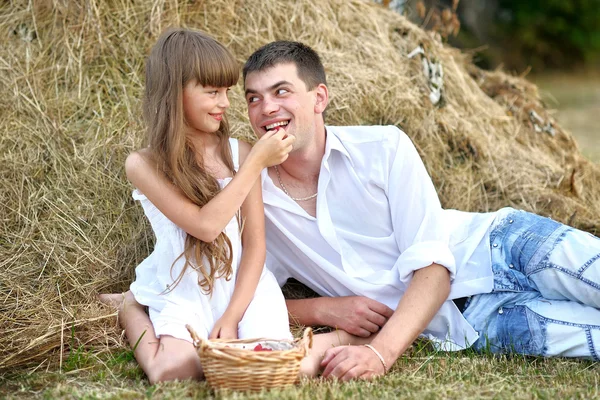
pixel 273 148
pixel 225 328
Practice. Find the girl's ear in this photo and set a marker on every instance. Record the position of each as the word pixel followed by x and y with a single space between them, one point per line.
pixel 322 98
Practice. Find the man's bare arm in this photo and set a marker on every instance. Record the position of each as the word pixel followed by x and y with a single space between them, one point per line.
pixel 426 293
pixel 357 315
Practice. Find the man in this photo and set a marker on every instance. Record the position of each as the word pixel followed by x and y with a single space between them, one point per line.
pixel 353 214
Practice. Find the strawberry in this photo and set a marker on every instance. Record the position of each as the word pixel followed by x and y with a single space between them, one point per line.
pixel 259 347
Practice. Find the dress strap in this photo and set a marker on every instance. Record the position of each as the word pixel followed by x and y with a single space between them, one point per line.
pixel 137 195
pixel 235 153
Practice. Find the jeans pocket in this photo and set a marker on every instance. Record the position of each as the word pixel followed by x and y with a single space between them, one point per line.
pixel 521 331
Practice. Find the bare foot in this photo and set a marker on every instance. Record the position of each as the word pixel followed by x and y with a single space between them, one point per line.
pixel 119 300
pixel 112 299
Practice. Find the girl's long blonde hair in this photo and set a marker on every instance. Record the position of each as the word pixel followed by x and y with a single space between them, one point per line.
pixel 179 56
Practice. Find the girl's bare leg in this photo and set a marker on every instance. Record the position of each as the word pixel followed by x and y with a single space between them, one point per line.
pixel 161 359
pixel 311 364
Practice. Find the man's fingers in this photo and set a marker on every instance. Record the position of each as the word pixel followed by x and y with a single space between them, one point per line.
pixel 359 331
pixel 331 359
pixel 367 374
pixel 335 366
pixel 370 327
pixel 348 363
pixel 330 354
pixel 341 370
pixel 377 319
pixel 381 309
pixel 357 371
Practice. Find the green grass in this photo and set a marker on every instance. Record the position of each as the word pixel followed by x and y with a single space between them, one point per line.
pixel 425 374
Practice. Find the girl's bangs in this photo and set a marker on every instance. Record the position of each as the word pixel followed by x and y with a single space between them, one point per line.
pixel 216 67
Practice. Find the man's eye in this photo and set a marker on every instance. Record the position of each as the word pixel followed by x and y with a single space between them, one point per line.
pixel 252 99
pixel 281 91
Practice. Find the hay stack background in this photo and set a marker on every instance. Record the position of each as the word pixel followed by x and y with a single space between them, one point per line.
pixel 71 82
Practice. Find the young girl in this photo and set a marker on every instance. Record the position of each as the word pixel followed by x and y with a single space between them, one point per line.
pixel 202 207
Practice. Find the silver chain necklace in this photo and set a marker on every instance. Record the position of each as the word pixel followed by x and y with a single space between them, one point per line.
pixel 286 192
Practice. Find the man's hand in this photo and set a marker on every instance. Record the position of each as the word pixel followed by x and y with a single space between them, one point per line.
pixel 357 315
pixel 351 362
pixel 426 292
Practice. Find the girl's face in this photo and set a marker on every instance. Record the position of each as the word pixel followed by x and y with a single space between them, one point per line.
pixel 204 107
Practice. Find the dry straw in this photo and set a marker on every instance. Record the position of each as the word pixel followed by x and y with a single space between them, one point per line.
pixel 71 81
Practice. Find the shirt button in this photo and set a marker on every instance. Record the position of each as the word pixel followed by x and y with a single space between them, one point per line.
pixel 510 266
pixel 500 311
pixel 510 221
pixel 495 244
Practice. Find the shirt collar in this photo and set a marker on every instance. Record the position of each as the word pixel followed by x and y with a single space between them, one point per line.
pixel 333 142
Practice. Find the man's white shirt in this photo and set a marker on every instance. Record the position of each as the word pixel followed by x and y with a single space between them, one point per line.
pixel 378 220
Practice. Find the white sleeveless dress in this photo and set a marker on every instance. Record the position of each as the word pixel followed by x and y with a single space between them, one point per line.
pixel 170 311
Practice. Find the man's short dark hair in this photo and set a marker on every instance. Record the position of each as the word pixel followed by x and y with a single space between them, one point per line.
pixel 308 63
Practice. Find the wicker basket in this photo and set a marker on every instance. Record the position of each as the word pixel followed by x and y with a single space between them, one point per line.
pixel 233 364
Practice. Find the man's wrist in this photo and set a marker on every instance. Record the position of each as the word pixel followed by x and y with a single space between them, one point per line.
pixel 305 311
pixel 378 354
pixel 388 352
pixel 319 315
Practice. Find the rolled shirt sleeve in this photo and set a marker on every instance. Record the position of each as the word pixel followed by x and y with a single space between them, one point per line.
pixel 416 213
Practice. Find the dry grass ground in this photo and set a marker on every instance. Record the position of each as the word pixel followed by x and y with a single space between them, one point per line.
pixel 71 81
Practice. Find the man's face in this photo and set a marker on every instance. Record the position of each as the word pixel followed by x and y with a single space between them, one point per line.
pixel 278 99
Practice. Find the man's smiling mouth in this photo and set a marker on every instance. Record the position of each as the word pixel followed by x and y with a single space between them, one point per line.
pixel 275 125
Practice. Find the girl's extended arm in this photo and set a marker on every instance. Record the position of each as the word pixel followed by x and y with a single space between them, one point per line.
pixel 252 261
pixel 207 222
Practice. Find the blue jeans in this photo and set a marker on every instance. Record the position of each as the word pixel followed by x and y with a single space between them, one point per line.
pixel 546 296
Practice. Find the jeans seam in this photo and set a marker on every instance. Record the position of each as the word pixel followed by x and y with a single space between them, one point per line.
pixel 566 272
pixel 587 328
pixel 559 322
pixel 588 263
pixel 544 259
pixel 588 335
pixel 507 342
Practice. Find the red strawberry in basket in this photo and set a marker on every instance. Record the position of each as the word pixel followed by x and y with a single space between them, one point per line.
pixel 259 347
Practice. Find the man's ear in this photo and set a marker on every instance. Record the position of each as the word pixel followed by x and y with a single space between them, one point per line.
pixel 322 98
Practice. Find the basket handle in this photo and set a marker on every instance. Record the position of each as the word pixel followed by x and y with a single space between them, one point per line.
pixel 195 338
pixel 307 340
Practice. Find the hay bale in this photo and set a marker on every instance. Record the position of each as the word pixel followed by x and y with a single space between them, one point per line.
pixel 72 79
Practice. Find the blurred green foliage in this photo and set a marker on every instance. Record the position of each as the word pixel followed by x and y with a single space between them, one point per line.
pixel 549 34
